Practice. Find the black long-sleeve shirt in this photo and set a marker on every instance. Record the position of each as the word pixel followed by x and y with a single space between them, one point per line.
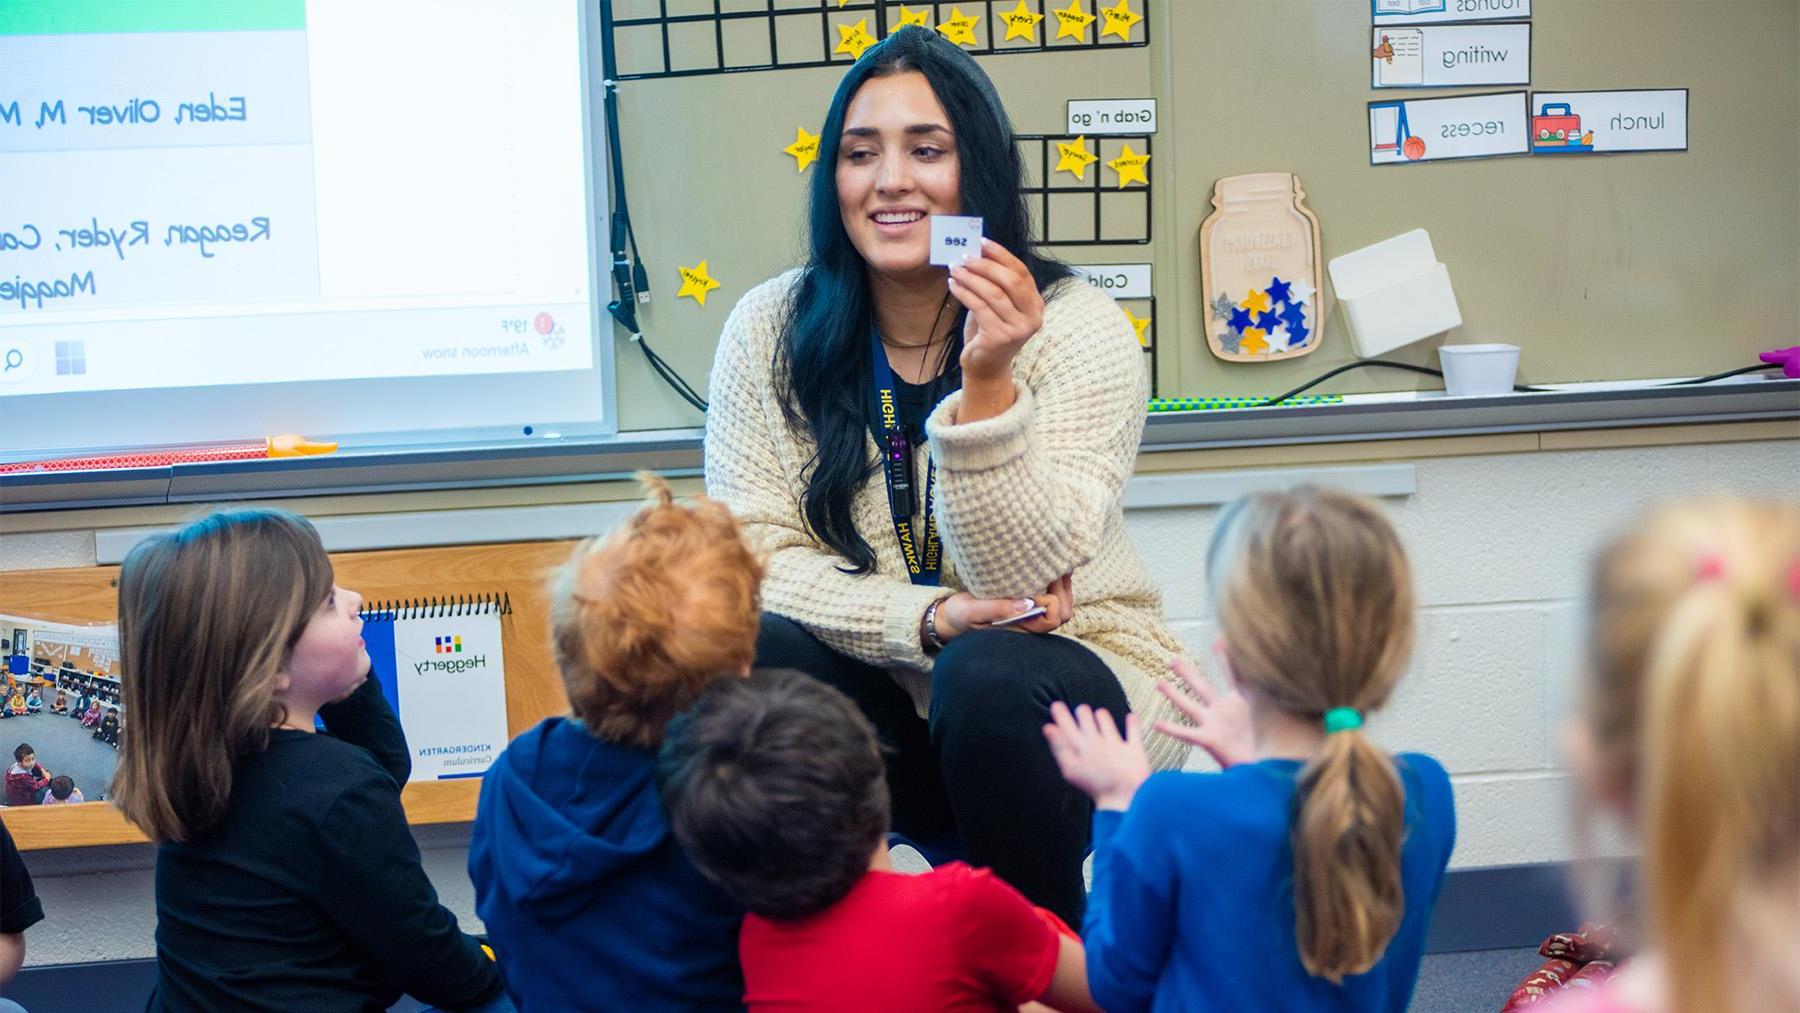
pixel 310 895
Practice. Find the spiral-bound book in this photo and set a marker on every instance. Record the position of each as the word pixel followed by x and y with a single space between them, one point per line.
pixel 439 664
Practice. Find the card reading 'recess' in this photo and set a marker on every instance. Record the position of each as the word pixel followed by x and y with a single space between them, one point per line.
pixel 954 239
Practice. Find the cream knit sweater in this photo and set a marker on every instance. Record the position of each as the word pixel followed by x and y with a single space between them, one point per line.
pixel 1021 499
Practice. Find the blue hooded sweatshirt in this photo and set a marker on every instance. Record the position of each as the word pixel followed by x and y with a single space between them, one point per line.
pixel 589 902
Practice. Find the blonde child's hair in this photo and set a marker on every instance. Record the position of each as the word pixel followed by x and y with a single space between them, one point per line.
pixel 1693 704
pixel 1315 601
pixel 646 616
pixel 208 615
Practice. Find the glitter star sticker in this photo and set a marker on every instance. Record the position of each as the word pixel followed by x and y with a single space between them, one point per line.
pixel 1073 21
pixel 1222 307
pixel 1021 23
pixel 920 18
pixel 805 149
pixel 1130 167
pixel 1256 302
pixel 695 283
pixel 1301 291
pixel 853 39
pixel 1138 326
pixel 1229 341
pixel 960 27
pixel 1074 157
pixel 1119 20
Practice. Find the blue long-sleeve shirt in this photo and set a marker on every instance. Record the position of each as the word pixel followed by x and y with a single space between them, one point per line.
pixel 1193 903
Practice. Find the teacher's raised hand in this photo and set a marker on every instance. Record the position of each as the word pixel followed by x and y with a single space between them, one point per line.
pixel 1005 311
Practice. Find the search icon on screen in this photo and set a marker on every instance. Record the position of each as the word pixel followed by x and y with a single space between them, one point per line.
pixel 17 360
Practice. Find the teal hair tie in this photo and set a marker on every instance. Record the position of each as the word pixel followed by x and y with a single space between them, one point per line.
pixel 1342 719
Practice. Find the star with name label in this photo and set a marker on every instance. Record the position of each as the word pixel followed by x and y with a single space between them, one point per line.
pixel 1301 292
pixel 1119 20
pixel 1074 157
pixel 1130 167
pixel 1021 23
pixel 1073 21
pixel 1222 307
pixel 1253 343
pixel 1138 326
pixel 805 149
pixel 920 18
pixel 1240 320
pixel 1279 291
pixel 1256 302
pixel 853 39
pixel 960 27
pixel 695 283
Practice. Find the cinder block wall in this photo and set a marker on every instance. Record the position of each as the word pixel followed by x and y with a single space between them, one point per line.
pixel 1499 544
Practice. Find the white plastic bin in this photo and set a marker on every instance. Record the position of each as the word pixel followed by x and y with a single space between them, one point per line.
pixel 1489 368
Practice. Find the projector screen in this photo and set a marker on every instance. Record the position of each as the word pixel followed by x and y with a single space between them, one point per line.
pixel 349 220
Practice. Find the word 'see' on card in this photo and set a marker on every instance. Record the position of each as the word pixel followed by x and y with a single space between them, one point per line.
pixel 954 239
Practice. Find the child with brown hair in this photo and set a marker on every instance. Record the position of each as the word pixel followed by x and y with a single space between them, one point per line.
pixel 586 895
pixel 1303 874
pixel 1691 733
pixel 776 787
pixel 286 875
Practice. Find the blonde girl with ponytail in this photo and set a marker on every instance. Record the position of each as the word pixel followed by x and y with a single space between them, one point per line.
pixel 1691 735
pixel 1301 875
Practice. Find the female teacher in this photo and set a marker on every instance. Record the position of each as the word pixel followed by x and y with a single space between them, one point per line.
pixel 927 453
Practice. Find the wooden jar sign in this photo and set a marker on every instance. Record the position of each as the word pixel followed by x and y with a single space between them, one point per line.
pixel 1259 269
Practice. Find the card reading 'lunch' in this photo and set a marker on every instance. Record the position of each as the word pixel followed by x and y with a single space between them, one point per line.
pixel 954 239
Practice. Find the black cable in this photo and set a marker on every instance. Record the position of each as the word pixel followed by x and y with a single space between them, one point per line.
pixel 1517 387
pixel 630 280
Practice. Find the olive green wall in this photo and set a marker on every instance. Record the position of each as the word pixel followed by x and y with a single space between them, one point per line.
pixel 1613 267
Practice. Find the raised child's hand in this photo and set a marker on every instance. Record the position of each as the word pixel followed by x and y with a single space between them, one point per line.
pixel 1221 721
pixel 1094 758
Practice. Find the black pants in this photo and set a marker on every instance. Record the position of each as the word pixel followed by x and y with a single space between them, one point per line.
pixel 979 764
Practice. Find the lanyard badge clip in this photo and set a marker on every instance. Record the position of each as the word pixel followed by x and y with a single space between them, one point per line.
pixel 903 501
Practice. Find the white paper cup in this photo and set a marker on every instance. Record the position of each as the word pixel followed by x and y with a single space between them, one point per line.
pixel 1479 369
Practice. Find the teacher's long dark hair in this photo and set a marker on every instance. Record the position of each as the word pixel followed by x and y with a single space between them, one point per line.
pixel 822 361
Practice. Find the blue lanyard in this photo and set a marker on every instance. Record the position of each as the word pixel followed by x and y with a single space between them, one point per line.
pixel 922 563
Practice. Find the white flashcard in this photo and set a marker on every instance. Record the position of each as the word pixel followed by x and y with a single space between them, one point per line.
pixel 954 239
pixel 1451 56
pixel 1439 129
pixel 1425 12
pixel 1599 122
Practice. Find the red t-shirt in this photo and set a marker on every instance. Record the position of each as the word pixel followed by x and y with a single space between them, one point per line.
pixel 955 938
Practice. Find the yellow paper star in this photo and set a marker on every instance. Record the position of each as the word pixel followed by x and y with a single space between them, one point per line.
pixel 1021 23
pixel 1139 325
pixel 1072 20
pixel 1253 342
pixel 805 149
pixel 853 39
pixel 920 18
pixel 1130 167
pixel 1075 157
pixel 1256 302
pixel 696 282
pixel 960 27
pixel 1119 20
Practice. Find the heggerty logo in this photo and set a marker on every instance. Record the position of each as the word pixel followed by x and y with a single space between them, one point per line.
pixel 447 645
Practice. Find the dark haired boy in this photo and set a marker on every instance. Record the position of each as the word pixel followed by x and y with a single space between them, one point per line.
pixel 775 787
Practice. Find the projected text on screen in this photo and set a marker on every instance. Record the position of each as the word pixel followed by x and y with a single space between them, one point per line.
pixel 290 192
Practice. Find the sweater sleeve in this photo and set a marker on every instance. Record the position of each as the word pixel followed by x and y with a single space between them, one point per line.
pixel 1131 916
pixel 869 617
pixel 1028 495
pixel 364 719
pixel 379 897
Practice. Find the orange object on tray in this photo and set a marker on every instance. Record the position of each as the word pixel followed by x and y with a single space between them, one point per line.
pixel 285 445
